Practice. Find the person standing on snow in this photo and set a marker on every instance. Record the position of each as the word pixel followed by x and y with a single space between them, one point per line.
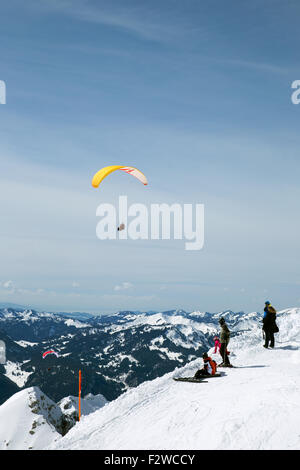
pixel 224 339
pixel 269 325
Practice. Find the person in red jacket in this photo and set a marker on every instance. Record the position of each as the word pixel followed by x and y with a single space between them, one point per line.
pixel 218 345
pixel 209 367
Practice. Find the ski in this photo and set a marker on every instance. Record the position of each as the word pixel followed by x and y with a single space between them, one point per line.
pixel 189 379
pixel 229 367
pixel 192 379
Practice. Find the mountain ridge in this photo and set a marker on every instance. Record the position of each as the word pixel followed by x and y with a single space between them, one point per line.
pixel 114 353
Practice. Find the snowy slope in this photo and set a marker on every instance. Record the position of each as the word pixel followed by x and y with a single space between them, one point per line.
pixel 89 404
pixel 14 372
pixel 255 406
pixel 28 420
pixel 31 420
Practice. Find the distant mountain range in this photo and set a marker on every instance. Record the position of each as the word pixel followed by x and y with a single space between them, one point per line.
pixel 114 352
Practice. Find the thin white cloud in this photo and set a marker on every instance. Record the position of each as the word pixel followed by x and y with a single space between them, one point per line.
pixel 22 291
pixel 123 286
pixel 7 287
pixel 129 301
pixel 143 20
pixel 7 284
pixel 259 66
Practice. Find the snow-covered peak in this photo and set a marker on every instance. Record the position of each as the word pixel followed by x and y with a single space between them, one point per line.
pixel 31 316
pixel 76 323
pixel 89 404
pixel 24 315
pixel 30 419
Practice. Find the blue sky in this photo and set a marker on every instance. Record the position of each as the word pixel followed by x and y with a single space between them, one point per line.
pixel 195 94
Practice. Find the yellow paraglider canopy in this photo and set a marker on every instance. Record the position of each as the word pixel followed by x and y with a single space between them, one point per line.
pixel 104 172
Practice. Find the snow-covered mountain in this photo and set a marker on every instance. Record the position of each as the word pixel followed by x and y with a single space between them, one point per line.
pixel 89 404
pixel 31 325
pixel 31 420
pixel 254 406
pixel 114 352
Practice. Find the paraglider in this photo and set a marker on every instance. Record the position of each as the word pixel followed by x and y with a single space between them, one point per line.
pixel 104 172
pixel 46 353
pixel 49 353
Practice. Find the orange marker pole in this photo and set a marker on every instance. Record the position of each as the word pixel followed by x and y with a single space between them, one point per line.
pixel 79 397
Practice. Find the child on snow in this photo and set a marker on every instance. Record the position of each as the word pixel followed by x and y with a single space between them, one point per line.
pixel 218 345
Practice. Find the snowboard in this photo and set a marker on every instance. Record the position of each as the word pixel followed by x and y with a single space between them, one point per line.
pixel 192 379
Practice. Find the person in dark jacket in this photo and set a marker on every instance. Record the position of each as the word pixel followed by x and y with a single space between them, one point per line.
pixel 269 325
pixel 224 340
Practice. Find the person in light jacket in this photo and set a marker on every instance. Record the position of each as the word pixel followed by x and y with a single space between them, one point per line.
pixel 224 340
